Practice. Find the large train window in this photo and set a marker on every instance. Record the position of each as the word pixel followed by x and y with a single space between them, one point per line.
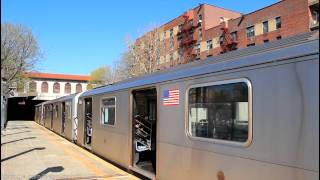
pixel 221 111
pixel 108 109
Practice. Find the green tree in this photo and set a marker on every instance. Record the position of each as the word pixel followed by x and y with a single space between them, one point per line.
pixel 102 76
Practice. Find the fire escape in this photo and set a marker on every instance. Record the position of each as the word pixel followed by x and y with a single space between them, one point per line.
pixel 227 43
pixel 186 37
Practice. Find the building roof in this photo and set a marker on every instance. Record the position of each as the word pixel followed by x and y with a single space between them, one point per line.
pixel 58 76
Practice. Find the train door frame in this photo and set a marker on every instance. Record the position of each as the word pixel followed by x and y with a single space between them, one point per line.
pixel 87 145
pixel 132 165
pixel 51 116
pixel 63 116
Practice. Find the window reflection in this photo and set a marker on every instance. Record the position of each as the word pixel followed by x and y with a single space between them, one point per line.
pixel 219 111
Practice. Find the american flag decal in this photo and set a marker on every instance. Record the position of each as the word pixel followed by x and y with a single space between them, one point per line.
pixel 170 97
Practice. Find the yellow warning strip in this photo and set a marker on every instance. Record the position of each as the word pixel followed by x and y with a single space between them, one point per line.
pixel 88 164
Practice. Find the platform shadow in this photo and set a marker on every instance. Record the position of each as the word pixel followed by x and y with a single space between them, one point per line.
pixel 17 140
pixel 22 127
pixel 46 171
pixel 15 133
pixel 24 152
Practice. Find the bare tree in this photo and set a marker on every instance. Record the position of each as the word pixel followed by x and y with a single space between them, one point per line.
pixel 19 53
pixel 143 54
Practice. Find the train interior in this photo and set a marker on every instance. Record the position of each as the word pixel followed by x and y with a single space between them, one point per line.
pixel 88 122
pixel 144 129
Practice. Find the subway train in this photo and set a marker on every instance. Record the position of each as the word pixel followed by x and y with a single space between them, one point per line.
pixel 247 114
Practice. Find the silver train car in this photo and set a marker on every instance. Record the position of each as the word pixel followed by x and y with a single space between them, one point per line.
pixel 60 115
pixel 39 114
pixel 248 114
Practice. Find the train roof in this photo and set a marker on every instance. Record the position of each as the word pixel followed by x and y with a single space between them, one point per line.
pixel 63 98
pixel 296 46
pixel 40 104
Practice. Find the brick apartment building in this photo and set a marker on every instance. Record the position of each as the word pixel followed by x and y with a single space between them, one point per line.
pixel 208 30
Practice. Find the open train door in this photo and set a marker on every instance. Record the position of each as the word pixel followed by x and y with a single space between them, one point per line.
pixel 144 135
pixel 88 122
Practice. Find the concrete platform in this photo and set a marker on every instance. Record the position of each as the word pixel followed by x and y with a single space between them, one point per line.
pixel 30 151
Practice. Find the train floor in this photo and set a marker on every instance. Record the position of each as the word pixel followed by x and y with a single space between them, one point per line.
pixel 30 151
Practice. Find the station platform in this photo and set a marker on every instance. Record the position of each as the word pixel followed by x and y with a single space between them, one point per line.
pixel 30 151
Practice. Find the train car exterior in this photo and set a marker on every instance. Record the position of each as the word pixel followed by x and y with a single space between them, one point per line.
pixel 248 114
pixel 48 115
pixel 60 116
pixel 39 113
pixel 68 119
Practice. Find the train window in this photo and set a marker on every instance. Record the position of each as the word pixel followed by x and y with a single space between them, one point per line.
pixel 68 109
pixel 108 109
pixel 220 111
pixel 56 111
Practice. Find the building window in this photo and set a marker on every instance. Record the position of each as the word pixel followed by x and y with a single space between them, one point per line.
pixel 250 32
pixel 279 37
pixel 44 87
pixel 191 31
pixel 278 22
pixel 200 34
pixel 265 27
pixel 266 40
pixel 32 86
pixel 67 88
pixel 209 44
pixel 252 44
pixel 314 10
pixel 20 87
pixel 171 43
pixel 221 39
pixel 180 27
pixel 197 47
pixel 56 87
pixel 78 88
pixel 171 33
pixel 220 111
pixel 234 35
pixel 200 20
pixel 108 111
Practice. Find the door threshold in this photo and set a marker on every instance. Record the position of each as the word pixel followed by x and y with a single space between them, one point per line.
pixel 87 147
pixel 145 173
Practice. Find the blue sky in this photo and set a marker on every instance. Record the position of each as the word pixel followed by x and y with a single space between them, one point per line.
pixel 77 36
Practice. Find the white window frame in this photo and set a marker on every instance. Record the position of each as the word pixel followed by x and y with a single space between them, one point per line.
pixel 279 17
pixel 221 141
pixel 249 32
pixel 115 111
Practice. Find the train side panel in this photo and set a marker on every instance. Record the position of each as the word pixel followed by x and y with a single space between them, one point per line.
pixel 68 119
pixel 112 141
pixel 80 115
pixel 285 144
